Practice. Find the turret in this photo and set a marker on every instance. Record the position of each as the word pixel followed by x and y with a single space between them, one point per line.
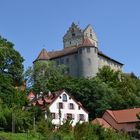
pixel 90 34
pixel 87 59
pixel 43 56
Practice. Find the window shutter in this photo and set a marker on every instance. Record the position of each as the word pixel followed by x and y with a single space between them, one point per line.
pixel 58 105
pixel 57 115
pixel 78 117
pixel 84 117
pixel 73 116
pixel 65 116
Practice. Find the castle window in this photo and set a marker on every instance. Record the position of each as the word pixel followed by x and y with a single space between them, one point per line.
pixel 70 42
pixel 95 50
pixel 89 61
pixel 75 56
pixel 73 32
pixel 80 51
pixel 90 35
pixel 91 31
pixel 67 70
pixel 64 98
pixel 62 61
pixel 67 60
pixel 88 50
pixel 57 62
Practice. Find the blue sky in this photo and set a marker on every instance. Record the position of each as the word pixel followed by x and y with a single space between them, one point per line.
pixel 35 24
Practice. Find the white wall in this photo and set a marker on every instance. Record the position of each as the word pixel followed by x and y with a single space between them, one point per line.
pixel 75 112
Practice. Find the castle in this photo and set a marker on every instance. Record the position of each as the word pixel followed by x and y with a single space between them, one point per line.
pixel 80 53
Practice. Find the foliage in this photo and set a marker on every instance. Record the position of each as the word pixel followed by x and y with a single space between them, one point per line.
pixel 66 128
pixel 87 131
pixel 10 62
pixel 44 127
pixel 40 75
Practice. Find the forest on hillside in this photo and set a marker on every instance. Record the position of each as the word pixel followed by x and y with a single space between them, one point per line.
pixel 108 90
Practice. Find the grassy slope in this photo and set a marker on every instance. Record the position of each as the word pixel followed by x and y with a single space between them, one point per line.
pixel 18 136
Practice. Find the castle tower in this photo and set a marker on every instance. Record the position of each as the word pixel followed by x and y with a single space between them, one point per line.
pixel 43 56
pixel 76 36
pixel 87 59
pixel 90 34
pixel 73 37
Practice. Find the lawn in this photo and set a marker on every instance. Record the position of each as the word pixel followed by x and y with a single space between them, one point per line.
pixel 18 136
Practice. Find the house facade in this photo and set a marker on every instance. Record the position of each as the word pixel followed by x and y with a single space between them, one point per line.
pixel 80 53
pixel 62 106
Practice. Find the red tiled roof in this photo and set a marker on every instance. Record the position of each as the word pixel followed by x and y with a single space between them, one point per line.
pixel 101 122
pixel 43 55
pixel 123 116
pixel 87 42
pixel 50 99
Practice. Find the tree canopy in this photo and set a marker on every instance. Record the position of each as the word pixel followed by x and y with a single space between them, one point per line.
pixel 10 62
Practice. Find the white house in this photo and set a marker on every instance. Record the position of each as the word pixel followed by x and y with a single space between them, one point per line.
pixel 62 107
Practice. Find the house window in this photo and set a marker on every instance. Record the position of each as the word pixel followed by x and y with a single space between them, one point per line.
pixel 79 107
pixel 53 115
pixel 71 106
pixel 69 116
pixel 64 98
pixel 88 50
pixel 60 105
pixel 81 117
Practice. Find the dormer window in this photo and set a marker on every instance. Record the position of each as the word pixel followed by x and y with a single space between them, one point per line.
pixel 64 98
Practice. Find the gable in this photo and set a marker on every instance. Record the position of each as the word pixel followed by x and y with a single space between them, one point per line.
pixel 74 31
pixel 89 32
pixel 60 98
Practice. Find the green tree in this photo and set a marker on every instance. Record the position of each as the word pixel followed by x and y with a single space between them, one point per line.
pixel 10 62
pixel 41 74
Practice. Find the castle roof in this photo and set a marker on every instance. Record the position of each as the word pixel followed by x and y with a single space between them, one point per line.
pixel 87 42
pixel 44 55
